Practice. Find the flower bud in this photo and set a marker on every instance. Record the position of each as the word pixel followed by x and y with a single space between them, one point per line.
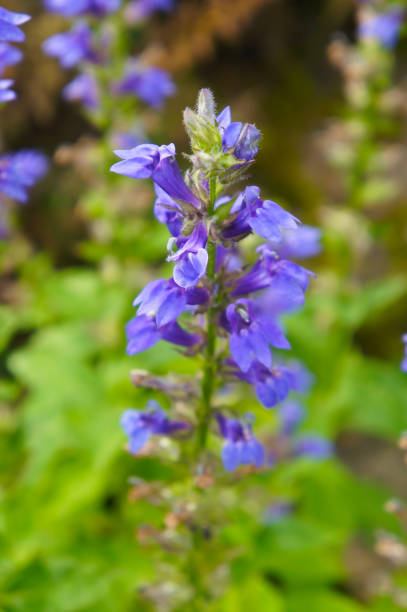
pixel 204 135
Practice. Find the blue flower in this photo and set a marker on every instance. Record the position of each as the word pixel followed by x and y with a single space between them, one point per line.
pixel 84 89
pixel 240 446
pixel 299 243
pixel 228 259
pixel 291 414
pixel 20 171
pixel 166 210
pixel 286 281
pixel 7 94
pixel 9 22
pixel 159 164
pixel 9 56
pixel 301 379
pixel 384 27
pixel 142 333
pixel 404 362
pixel 140 425
pixel 128 139
pixel 265 218
pixel 273 385
pixel 71 8
pixel 164 301
pixel 71 47
pixel 251 335
pixel 191 257
pixel 278 511
pixel 237 138
pixel 314 447
pixel 151 85
pixel 137 10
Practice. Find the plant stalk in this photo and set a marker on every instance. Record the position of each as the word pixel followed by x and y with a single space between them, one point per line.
pixel 209 368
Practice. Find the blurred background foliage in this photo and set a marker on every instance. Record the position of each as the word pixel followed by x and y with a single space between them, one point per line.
pixel 75 536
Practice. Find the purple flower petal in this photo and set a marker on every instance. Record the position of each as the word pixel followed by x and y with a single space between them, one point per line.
pixel 171 308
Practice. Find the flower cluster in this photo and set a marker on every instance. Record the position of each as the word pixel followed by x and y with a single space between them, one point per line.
pixel 9 55
pixel 18 171
pixel 89 45
pixel 215 304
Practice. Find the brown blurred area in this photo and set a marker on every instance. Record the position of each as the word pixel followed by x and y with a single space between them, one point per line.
pixel 266 58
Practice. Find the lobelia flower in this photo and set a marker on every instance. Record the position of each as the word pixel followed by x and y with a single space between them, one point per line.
pixel 128 140
pixel 140 425
pixel 291 414
pixel 286 280
pixel 228 259
pixel 20 171
pixel 301 379
pixel 404 362
pixel 191 257
pixel 9 56
pixel 165 301
pixel 71 47
pixel 314 447
pixel 84 89
pixel 9 22
pixel 137 10
pixel 240 446
pixel 71 8
pixel 159 304
pixel 9 32
pixel 166 210
pixel 251 334
pixel 159 164
pixel 299 243
pixel 384 27
pixel 239 139
pixel 265 218
pixel 273 385
pixel 142 333
pixel 221 148
pixel 7 94
pixel 151 85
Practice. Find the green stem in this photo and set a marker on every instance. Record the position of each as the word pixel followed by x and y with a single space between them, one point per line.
pixel 209 368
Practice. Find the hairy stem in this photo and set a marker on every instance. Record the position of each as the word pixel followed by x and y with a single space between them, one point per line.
pixel 209 369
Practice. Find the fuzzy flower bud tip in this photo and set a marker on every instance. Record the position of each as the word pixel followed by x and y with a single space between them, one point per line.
pixel 9 25
pixel 206 106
